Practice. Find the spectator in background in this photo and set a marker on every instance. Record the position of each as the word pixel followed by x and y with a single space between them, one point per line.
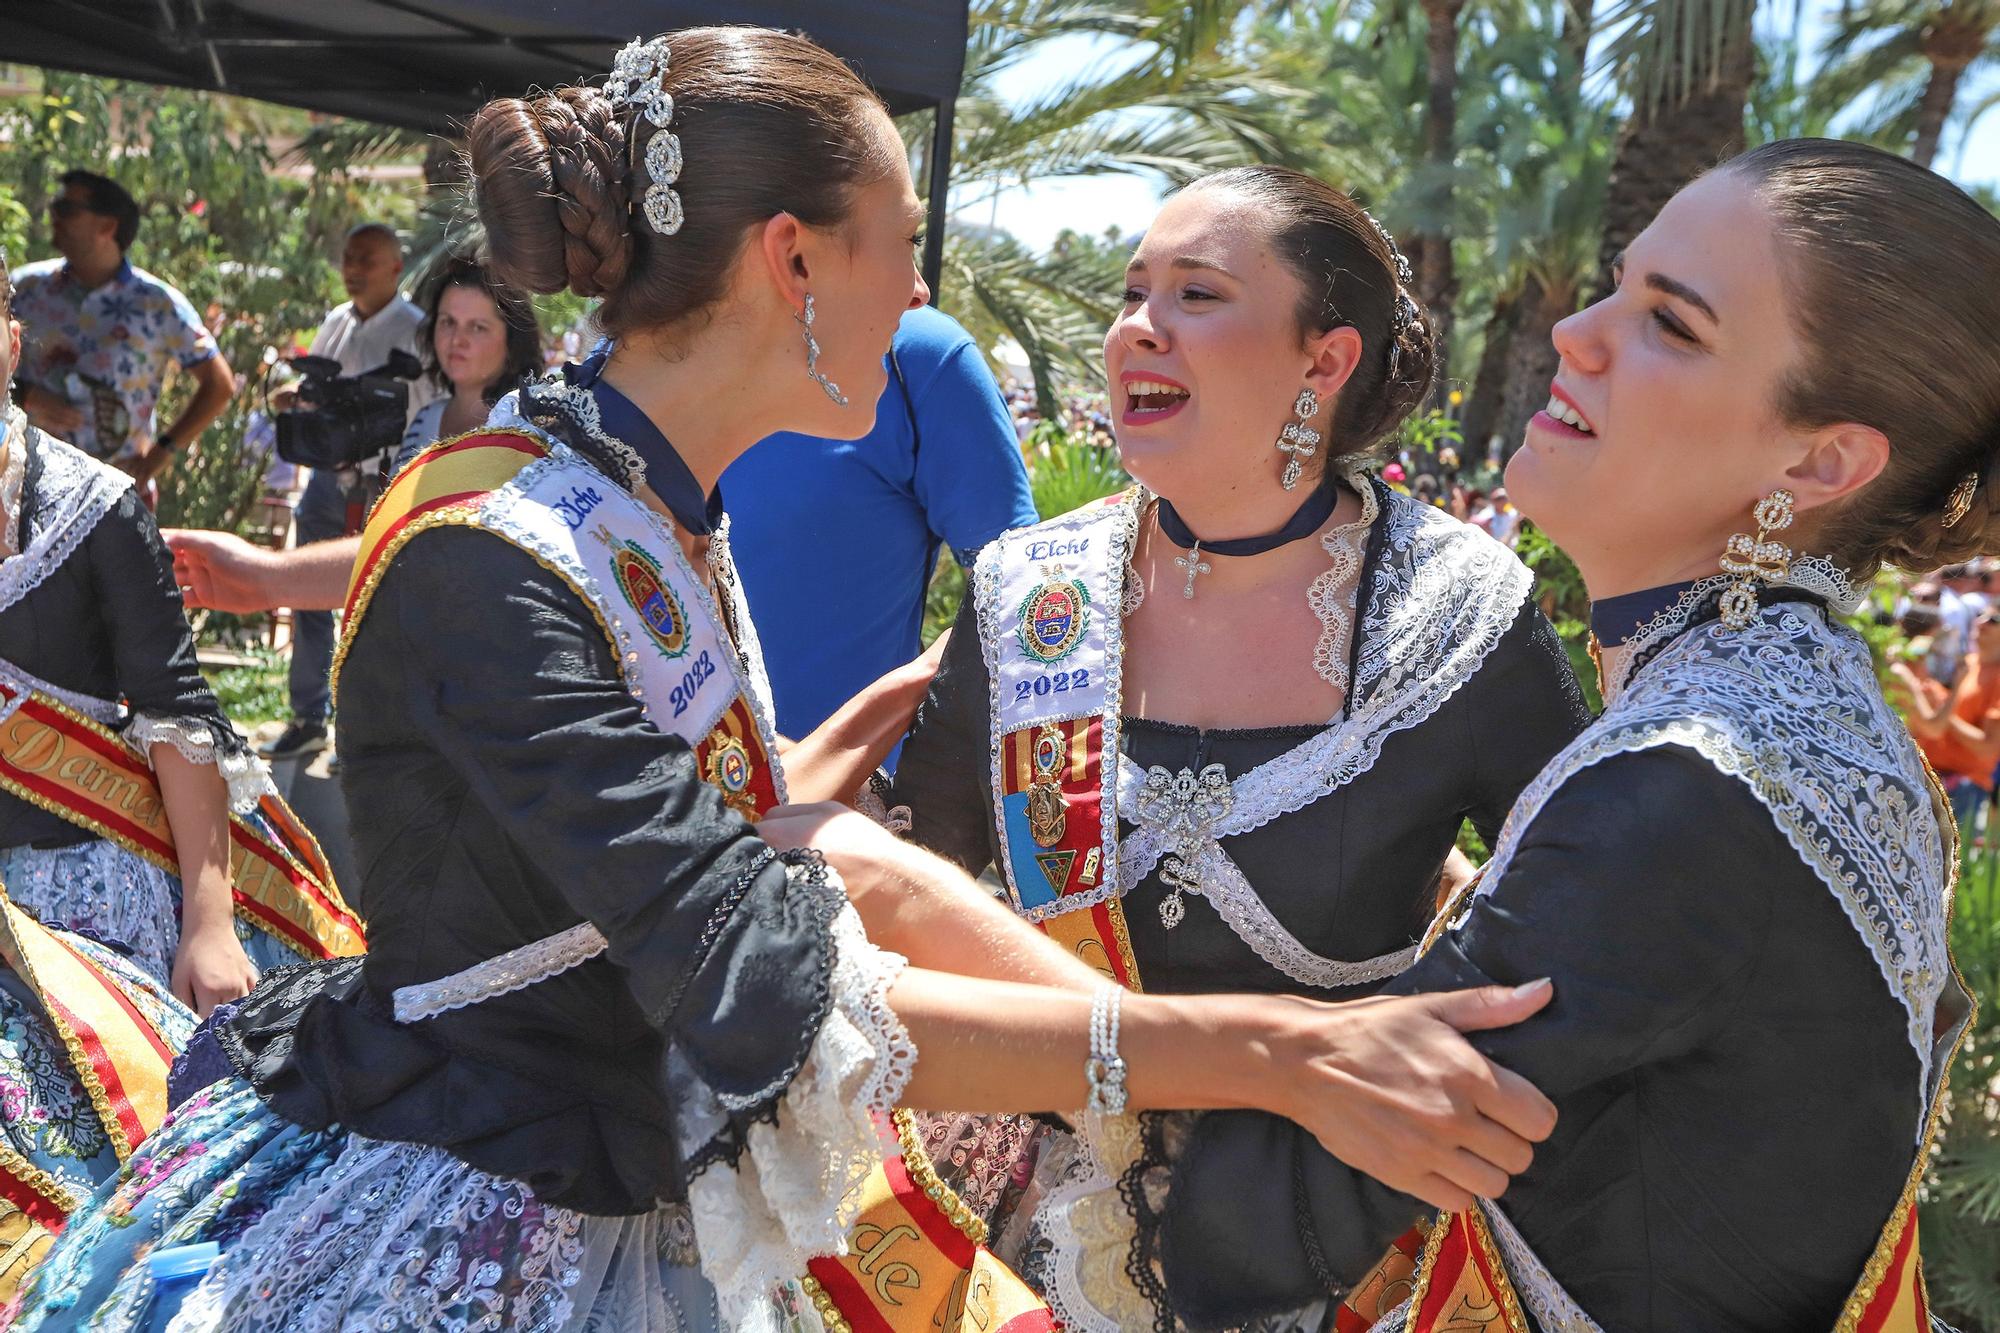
pixel 480 340
pixel 359 333
pixel 99 335
pixel 1957 727
pixel 835 540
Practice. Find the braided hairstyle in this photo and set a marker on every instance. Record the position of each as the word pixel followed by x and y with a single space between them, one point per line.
pixel 769 123
pixel 1892 275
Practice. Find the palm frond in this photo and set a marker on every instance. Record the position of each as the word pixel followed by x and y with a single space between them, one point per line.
pixel 1665 51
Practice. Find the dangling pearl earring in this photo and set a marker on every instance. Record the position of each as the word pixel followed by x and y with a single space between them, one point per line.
pixel 1755 559
pixel 812 356
pixel 1299 440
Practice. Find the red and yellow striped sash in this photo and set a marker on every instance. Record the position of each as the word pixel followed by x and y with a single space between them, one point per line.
pixel 917 1261
pixel 73 766
pixel 117 1055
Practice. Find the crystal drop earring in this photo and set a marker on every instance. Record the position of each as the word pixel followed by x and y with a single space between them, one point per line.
pixel 1298 440
pixel 812 356
pixel 1756 559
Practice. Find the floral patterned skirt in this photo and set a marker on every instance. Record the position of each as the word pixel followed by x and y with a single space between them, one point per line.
pixel 108 893
pixel 325 1230
pixel 45 1114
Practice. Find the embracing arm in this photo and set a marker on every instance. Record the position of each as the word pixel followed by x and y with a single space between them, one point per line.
pixel 943 774
pixel 722 950
pixel 222 572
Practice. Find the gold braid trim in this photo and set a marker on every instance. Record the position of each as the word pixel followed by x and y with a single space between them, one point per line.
pixel 829 1313
pixel 36 1179
pixel 925 1177
pixel 100 1101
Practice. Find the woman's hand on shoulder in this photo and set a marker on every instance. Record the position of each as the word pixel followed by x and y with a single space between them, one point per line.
pixel 1391 1087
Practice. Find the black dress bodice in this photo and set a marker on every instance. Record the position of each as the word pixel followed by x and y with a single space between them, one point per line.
pixel 108 623
pixel 1352 874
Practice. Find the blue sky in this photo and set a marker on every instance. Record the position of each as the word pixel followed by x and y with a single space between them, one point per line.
pixel 1036 213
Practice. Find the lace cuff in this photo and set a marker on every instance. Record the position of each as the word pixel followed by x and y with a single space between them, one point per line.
pixel 201 741
pixel 792 1196
pixel 872 801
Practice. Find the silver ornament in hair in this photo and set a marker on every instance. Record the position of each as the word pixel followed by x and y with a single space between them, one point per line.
pixel 636 78
pixel 1403 312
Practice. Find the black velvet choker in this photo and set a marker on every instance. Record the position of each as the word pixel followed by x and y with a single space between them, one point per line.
pixel 1304 522
pixel 1616 619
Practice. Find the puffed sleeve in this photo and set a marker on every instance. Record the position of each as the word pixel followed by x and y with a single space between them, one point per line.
pixel 1649 933
pixel 152 649
pixel 943 775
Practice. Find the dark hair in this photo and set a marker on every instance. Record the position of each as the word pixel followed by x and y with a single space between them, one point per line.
pixel 382 229
pixel 108 198
pixel 769 123
pixel 1890 274
pixel 517 316
pixel 1348 270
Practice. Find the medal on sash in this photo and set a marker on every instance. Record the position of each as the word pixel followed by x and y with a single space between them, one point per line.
pixel 1055 661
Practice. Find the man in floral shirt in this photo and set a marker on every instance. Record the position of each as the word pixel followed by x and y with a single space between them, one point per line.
pixel 99 335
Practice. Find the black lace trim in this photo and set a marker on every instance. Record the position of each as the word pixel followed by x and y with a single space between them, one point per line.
pixel 1302 1218
pixel 761 1106
pixel 553 415
pixel 1142 1264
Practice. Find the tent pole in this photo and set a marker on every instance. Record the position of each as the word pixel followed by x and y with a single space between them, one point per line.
pixel 940 194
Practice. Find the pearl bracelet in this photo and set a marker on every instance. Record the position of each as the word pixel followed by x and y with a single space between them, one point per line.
pixel 1105 1069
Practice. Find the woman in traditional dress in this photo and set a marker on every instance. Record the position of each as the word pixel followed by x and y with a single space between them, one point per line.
pixel 87 1030
pixel 1220 733
pixel 614 1059
pixel 1739 876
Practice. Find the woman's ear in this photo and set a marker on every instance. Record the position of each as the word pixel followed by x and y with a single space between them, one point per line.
pixel 780 251
pixel 1837 462
pixel 1335 354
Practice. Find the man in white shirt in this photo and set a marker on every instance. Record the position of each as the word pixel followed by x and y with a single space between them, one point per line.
pixel 359 334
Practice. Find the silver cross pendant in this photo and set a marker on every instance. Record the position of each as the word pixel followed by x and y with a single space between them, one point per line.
pixel 1194 565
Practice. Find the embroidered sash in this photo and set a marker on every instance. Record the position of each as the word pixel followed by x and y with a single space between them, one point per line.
pixel 1048 602
pixel 1790 707
pixel 626 564
pixel 55 757
pixel 117 1055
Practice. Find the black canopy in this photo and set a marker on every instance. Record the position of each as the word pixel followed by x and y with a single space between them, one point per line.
pixel 425 63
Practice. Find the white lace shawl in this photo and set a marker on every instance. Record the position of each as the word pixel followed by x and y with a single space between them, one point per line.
pixel 1445 595
pixel 1790 707
pixel 73 492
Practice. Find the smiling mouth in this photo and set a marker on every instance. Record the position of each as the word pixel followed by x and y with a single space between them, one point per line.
pixel 1151 398
pixel 1563 414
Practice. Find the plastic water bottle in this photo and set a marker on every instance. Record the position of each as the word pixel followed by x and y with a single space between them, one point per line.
pixel 176 1272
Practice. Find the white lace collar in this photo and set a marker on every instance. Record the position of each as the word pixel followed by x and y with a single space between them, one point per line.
pixel 72 493
pixel 1812 574
pixel 1443 595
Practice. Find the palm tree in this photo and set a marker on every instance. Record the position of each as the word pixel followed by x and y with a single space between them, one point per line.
pixel 1914 55
pixel 1687 66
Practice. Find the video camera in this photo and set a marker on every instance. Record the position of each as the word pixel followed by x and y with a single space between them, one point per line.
pixel 341 420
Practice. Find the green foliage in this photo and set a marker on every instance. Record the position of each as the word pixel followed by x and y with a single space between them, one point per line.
pixel 1429 431
pixel 1961 1204
pixel 1559 591
pixel 942 597
pixel 249 244
pixel 1067 472
pixel 255 692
